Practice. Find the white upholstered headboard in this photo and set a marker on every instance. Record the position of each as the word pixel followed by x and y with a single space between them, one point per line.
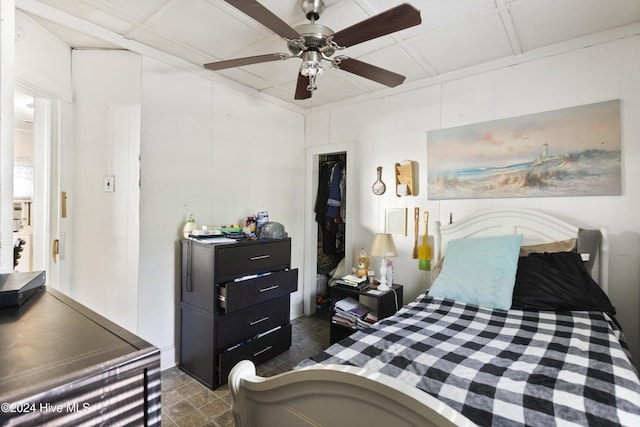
pixel 535 227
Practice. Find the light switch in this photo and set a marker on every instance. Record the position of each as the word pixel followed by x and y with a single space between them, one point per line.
pixel 109 183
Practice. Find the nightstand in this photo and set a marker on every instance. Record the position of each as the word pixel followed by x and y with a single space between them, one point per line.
pixel 384 305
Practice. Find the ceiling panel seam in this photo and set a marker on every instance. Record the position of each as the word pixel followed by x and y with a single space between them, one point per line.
pixel 153 18
pixel 509 27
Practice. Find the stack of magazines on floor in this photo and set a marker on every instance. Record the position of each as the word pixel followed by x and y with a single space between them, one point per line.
pixel 350 313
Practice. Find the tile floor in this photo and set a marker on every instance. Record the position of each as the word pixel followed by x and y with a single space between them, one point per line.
pixel 186 402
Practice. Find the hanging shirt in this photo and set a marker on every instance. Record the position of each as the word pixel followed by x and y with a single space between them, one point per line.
pixel 335 195
pixel 323 191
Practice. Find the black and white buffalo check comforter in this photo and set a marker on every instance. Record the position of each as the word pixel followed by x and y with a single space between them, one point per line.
pixel 503 367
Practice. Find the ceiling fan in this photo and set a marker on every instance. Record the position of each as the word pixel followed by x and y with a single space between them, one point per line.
pixel 314 43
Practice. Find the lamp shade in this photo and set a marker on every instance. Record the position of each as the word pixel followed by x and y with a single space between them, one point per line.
pixel 383 246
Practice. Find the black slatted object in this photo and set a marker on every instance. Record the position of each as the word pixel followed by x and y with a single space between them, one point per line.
pixel 371 72
pixel 301 88
pixel 239 62
pixel 264 16
pixel 394 19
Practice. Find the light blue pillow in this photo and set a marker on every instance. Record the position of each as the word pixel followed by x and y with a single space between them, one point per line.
pixel 479 271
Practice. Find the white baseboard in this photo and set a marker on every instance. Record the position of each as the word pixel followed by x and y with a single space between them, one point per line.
pixel 168 357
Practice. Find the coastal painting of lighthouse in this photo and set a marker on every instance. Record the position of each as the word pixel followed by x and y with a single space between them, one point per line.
pixel 569 152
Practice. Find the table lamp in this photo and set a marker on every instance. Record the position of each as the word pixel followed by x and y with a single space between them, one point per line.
pixel 384 247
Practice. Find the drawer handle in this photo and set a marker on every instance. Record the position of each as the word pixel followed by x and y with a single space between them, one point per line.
pixel 259 257
pixel 262 351
pixel 255 322
pixel 270 288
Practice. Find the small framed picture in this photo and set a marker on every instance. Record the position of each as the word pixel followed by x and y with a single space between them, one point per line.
pixel 396 221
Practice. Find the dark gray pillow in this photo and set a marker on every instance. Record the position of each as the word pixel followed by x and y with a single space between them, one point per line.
pixel 589 243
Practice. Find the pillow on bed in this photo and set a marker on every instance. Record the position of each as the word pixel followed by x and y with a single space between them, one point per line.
pixel 559 246
pixel 436 268
pixel 479 271
pixel 557 282
pixel 568 245
pixel 589 243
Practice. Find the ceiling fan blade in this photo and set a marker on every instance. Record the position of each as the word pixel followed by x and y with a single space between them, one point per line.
pixel 368 71
pixel 301 88
pixel 394 19
pixel 255 10
pixel 239 62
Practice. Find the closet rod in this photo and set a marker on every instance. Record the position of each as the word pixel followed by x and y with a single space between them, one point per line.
pixel 339 157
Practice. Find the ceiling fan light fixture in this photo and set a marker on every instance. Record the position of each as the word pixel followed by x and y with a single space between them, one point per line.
pixel 312 84
pixel 311 64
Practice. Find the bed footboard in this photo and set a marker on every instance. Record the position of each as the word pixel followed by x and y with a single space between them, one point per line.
pixel 332 395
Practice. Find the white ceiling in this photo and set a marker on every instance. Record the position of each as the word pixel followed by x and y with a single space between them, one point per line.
pixel 454 35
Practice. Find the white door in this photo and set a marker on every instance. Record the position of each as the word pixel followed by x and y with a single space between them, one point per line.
pixel 46 207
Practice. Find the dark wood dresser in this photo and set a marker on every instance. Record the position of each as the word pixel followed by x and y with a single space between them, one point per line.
pixel 63 364
pixel 234 305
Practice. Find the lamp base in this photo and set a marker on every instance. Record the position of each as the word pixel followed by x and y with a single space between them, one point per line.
pixel 383 287
pixel 382 283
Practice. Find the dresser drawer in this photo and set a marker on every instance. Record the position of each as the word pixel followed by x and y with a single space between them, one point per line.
pixel 258 351
pixel 233 261
pixel 234 296
pixel 244 324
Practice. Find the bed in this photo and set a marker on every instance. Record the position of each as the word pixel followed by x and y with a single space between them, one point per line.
pixel 458 356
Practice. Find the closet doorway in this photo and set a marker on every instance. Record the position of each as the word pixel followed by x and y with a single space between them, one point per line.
pixel 330 211
pixel 328 228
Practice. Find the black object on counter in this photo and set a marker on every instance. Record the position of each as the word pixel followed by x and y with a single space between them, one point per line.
pixel 16 288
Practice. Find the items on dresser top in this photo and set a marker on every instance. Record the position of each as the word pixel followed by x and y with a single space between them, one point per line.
pixel 206 232
pixel 253 230
pixel 234 305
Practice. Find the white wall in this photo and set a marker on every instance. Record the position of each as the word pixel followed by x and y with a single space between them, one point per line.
pixel 23 146
pixel 37 64
pixel 205 149
pixel 395 128
pixel 106 87
pixel 43 70
pixel 43 61
pixel 219 154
